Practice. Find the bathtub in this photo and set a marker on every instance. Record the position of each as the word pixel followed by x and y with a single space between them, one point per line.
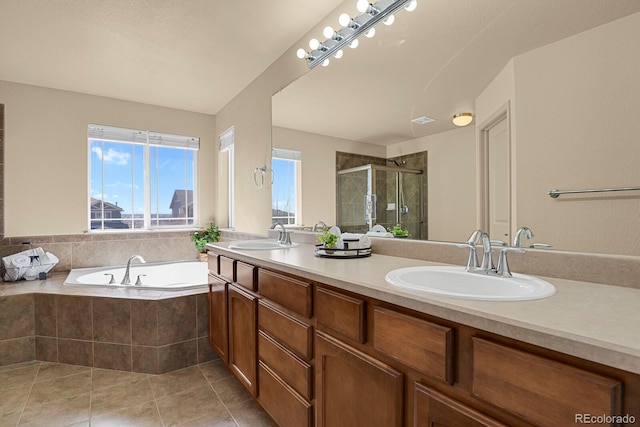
pixel 165 276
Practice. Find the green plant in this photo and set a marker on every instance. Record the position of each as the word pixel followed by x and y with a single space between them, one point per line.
pixel 398 231
pixel 328 239
pixel 208 235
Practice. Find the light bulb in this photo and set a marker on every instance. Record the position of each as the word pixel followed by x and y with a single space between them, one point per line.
pixel 411 6
pixel 370 33
pixel 354 44
pixel 344 19
pixel 389 20
pixel 325 62
pixel 314 44
pixel 362 6
pixel 301 53
pixel 338 54
pixel 328 32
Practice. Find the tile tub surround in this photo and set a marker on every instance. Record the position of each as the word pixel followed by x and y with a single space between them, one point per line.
pixel 203 395
pixel 127 331
pixel 108 248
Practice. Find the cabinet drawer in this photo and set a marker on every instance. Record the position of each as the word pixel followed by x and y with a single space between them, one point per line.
pixel 212 263
pixel 432 408
pixel 293 370
pixel 246 275
pixel 341 313
pixel 293 294
pixel 226 268
pixel 540 390
pixel 284 405
pixel 417 343
pixel 289 331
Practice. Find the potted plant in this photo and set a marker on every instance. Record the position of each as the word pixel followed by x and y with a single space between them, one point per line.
pixel 201 238
pixel 397 231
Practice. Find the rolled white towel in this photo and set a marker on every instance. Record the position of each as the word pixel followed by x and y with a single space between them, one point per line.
pixel 21 261
pixel 355 241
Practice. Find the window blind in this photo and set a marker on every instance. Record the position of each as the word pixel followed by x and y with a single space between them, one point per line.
pixel 111 133
pixel 284 154
pixel 227 138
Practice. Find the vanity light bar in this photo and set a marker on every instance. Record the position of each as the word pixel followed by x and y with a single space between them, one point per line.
pixel 374 14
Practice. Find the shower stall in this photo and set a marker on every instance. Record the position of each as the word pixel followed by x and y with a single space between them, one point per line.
pixel 375 194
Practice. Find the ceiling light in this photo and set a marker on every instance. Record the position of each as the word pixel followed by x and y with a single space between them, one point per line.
pixel 371 14
pixel 462 119
pixel 423 120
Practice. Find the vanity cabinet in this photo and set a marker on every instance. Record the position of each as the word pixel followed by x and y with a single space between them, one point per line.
pixel 243 311
pixel 314 354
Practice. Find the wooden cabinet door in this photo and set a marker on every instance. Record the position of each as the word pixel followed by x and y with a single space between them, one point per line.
pixel 354 389
pixel 433 409
pixel 243 314
pixel 218 332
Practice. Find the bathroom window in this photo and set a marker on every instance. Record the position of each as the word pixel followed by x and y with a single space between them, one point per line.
pixel 227 140
pixel 141 179
pixel 285 192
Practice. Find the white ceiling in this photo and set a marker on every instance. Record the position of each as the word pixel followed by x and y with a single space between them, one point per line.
pixel 194 55
pixel 197 55
pixel 434 61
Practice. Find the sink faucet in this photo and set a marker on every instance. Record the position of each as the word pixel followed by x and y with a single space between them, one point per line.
pixel 472 241
pixel 522 232
pixel 284 236
pixel 487 258
pixel 125 279
pixel 317 223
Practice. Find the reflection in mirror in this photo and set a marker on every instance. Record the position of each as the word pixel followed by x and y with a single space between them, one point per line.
pixel 562 74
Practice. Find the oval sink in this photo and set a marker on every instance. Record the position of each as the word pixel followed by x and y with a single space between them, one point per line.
pixel 260 245
pixel 455 282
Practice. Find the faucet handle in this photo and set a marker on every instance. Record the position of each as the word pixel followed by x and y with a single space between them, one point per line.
pixel 540 246
pixel 112 280
pixel 503 265
pixel 138 281
pixel 472 262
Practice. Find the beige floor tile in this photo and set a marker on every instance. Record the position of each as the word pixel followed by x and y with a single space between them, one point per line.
pixel 107 400
pixel 142 415
pixel 13 398
pixel 177 382
pixel 20 365
pixel 59 388
pixel 215 370
pixel 106 378
pixel 60 412
pixel 189 405
pixel 49 371
pixel 221 419
pixel 250 414
pixel 230 391
pixel 19 377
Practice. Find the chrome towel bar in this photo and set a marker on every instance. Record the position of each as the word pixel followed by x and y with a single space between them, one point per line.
pixel 553 193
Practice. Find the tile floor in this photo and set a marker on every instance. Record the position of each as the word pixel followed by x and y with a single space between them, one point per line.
pixel 54 394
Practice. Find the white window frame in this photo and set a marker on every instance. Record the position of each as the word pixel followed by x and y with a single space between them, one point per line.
pixel 296 157
pixel 227 142
pixel 147 139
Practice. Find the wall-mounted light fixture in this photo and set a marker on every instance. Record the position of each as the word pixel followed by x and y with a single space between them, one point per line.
pixel 370 15
pixel 462 119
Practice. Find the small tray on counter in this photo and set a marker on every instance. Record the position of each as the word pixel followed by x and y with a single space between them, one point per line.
pixel 323 252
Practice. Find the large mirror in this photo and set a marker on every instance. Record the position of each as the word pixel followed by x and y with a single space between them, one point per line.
pixel 553 88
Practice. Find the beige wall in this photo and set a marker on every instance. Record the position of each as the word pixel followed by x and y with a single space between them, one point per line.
pixel 46 183
pixel 577 127
pixel 319 169
pixel 451 173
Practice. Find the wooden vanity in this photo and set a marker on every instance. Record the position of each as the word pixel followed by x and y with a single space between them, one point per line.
pixel 315 354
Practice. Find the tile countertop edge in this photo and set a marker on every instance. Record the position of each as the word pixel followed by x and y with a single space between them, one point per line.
pixel 534 326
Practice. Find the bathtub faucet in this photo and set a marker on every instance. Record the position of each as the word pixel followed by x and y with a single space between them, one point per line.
pixel 125 279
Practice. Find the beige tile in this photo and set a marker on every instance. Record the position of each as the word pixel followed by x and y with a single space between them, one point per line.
pixel 219 419
pixel 19 365
pixel 142 415
pixel 50 371
pixel 102 378
pixel 60 388
pixel 60 412
pixel 250 414
pixel 189 405
pixel 107 400
pixel 12 403
pixel 215 371
pixel 231 391
pixel 19 377
pixel 10 418
pixel 178 381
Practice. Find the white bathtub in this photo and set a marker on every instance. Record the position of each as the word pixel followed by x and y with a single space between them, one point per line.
pixel 166 276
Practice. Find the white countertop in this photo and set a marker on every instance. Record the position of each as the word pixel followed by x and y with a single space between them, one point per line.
pixel 591 321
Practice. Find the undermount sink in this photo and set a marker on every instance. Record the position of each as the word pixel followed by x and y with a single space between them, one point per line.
pixel 260 245
pixel 455 282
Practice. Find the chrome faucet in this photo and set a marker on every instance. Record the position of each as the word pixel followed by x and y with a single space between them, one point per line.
pixel 522 232
pixel 317 223
pixel 472 241
pixel 284 236
pixel 125 279
pixel 486 266
pixel 487 257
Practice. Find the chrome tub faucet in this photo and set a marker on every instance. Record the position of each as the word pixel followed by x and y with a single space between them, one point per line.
pixel 126 280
